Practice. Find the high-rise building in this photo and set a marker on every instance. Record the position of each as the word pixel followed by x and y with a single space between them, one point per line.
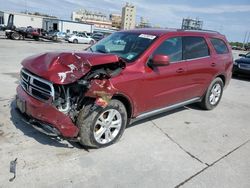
pixel 144 23
pixel 97 18
pixel 128 16
pixel 116 20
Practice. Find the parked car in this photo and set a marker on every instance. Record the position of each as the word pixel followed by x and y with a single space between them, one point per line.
pixel 242 65
pixel 92 96
pixel 98 36
pixel 68 36
pixel 80 33
pixel 34 33
pixel 81 38
pixel 59 36
pixel 236 48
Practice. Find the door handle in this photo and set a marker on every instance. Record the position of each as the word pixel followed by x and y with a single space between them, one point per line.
pixel 213 64
pixel 180 70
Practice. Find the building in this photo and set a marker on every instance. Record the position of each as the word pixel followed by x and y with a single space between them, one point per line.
pixel 45 22
pixel 128 16
pixel 22 20
pixel 191 24
pixel 116 20
pixel 67 26
pixel 97 18
pixel 143 23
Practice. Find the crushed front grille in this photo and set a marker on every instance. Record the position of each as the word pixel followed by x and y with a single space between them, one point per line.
pixel 37 87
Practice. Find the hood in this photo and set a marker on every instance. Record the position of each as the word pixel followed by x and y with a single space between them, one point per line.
pixel 243 60
pixel 65 67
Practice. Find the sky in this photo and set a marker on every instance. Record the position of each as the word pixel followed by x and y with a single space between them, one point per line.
pixel 231 18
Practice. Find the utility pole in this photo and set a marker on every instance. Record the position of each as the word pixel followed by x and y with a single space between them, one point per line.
pixel 25 4
pixel 245 38
pixel 248 37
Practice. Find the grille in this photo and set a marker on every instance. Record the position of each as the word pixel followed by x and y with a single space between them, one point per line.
pixel 244 66
pixel 36 87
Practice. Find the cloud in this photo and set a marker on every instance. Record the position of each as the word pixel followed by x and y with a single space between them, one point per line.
pixel 212 9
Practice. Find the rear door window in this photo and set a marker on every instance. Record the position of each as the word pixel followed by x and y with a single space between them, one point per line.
pixel 171 47
pixel 194 47
pixel 219 46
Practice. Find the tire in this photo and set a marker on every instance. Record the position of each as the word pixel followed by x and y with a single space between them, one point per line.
pixel 75 41
pixel 213 94
pixel 88 120
pixel 15 36
pixel 36 38
pixel 54 38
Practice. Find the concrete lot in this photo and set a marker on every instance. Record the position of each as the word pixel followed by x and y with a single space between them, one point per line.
pixel 185 148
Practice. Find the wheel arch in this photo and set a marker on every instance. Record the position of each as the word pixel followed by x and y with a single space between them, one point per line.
pixel 221 76
pixel 127 103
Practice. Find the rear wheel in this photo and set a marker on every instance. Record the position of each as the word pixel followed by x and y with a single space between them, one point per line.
pixel 75 41
pixel 103 127
pixel 213 94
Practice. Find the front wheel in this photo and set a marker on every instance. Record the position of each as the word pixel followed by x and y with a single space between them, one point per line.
pixel 15 36
pixel 102 127
pixel 213 94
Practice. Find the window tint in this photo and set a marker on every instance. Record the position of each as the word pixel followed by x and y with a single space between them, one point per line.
pixel 219 46
pixel 172 48
pixel 194 47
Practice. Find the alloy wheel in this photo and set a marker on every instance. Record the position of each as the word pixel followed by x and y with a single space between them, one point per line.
pixel 107 126
pixel 215 94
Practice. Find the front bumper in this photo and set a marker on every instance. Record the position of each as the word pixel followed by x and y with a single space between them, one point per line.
pixel 46 114
pixel 237 70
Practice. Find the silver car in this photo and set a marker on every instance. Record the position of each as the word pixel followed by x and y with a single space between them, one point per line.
pixel 81 38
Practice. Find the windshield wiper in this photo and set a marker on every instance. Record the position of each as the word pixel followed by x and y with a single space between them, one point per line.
pixel 101 51
pixel 91 49
pixel 123 59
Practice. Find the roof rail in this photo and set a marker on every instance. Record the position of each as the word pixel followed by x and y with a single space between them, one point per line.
pixel 201 30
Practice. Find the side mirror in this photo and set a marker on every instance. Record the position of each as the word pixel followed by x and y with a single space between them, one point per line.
pixel 242 55
pixel 160 60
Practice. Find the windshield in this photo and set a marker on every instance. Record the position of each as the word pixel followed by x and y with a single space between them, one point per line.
pixel 128 46
pixel 248 55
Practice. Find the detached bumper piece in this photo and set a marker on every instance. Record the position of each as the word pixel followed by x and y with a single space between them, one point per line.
pixel 43 128
pixel 44 117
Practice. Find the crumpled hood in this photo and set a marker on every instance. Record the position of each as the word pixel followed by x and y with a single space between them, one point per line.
pixel 65 67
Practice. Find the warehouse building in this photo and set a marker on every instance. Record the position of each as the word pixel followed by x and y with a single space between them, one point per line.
pixel 22 20
pixel 66 26
pixel 45 22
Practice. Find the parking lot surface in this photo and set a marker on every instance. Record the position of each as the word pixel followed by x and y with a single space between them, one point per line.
pixel 187 147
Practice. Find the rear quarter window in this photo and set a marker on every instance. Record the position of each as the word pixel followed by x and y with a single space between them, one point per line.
pixel 219 46
pixel 194 47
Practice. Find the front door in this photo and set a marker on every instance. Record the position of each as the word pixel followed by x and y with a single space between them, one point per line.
pixel 166 85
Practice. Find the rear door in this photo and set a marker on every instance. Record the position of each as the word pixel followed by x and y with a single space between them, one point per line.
pixel 222 57
pixel 200 67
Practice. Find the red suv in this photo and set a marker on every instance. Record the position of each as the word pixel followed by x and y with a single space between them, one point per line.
pixel 92 96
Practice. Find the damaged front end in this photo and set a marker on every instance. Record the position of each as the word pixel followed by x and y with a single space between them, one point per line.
pixel 55 86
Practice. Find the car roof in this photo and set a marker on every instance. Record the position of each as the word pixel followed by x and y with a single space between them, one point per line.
pixel 160 32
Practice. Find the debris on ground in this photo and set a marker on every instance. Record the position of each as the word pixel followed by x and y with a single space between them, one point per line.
pixel 13 169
